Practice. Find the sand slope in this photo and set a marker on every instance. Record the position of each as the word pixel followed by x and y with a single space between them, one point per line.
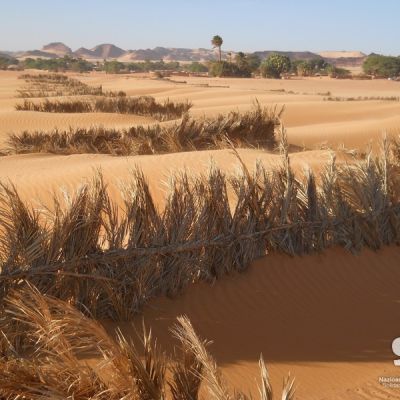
pixel 38 176
pixel 309 119
pixel 329 319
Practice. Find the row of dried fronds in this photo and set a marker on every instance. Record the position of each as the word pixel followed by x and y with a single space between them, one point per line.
pixel 142 105
pixel 112 260
pixel 44 343
pixel 254 128
pixel 49 85
pixel 363 98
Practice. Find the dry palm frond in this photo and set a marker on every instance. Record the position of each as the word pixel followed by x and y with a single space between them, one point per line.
pixel 288 391
pixel 54 338
pixel 265 388
pixel 143 105
pixel 253 128
pixel 48 85
pixel 187 377
pixel 186 335
pixel 148 375
pixel 111 261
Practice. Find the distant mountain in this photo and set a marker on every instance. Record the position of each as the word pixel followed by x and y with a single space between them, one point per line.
pixel 110 51
pixel 57 48
pixel 37 54
pixel 170 54
pixel 293 55
pixel 344 59
pixel 84 53
pixel 6 54
pixel 342 54
pixel 105 51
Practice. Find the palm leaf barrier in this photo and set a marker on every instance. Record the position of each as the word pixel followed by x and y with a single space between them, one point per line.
pixel 142 105
pixel 255 127
pixel 112 261
pixel 56 337
pixel 49 85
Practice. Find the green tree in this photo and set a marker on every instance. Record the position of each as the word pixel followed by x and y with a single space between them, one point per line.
pixel 303 68
pixel 275 65
pixel 5 62
pixel 253 62
pixel 113 67
pixel 339 73
pixel 225 68
pixel 382 66
pixel 197 67
pixel 217 42
pixel 242 63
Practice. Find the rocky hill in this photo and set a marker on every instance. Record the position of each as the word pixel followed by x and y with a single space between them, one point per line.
pixel 107 51
pixel 57 48
pixel 293 55
pixel 111 52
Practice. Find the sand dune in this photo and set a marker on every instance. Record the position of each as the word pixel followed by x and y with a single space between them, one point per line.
pixel 330 319
pixel 309 119
pixel 38 176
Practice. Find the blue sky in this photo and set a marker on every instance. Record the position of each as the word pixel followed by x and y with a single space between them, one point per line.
pixel 246 25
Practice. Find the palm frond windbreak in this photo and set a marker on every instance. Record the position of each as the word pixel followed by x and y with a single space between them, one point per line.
pixel 253 128
pixel 111 261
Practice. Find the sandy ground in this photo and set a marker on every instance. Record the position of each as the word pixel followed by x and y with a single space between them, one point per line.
pixel 329 319
pixel 309 119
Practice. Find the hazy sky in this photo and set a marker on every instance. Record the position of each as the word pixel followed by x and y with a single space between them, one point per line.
pixel 246 25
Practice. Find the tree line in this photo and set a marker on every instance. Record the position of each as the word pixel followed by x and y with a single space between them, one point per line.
pixel 239 65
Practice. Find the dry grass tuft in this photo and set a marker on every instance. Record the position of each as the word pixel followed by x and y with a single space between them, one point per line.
pixel 45 341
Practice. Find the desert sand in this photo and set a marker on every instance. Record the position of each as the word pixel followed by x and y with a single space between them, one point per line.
pixel 329 318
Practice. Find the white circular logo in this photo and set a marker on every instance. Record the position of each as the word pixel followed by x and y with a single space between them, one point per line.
pixel 396 350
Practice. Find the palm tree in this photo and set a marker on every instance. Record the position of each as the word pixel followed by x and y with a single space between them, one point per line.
pixel 217 41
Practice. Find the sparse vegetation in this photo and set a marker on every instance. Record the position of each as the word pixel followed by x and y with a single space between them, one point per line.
pixel 253 128
pixel 66 63
pixel 243 67
pixel 316 66
pixel 275 65
pixel 197 67
pixel 382 66
pixel 228 69
pixel 143 105
pixel 338 73
pixel 6 62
